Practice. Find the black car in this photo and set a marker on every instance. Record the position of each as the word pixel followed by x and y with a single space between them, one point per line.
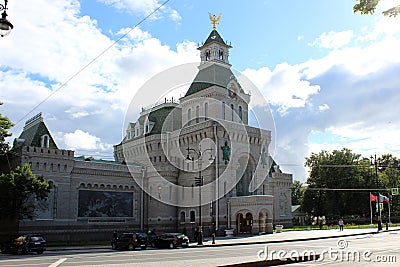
pixel 172 240
pixel 130 241
pixel 25 244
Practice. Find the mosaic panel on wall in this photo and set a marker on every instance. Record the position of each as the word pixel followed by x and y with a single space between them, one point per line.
pixel 105 204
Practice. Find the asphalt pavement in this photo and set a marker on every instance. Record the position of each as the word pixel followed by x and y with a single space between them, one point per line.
pixel 285 236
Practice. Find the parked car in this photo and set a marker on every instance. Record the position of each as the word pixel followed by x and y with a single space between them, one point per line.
pixel 25 244
pixel 172 240
pixel 130 241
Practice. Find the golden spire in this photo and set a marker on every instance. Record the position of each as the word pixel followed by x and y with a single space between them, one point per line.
pixel 214 19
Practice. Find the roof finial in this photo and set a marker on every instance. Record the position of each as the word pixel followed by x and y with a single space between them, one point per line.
pixel 215 19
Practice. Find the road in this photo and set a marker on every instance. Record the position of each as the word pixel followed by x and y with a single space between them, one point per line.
pixel 369 248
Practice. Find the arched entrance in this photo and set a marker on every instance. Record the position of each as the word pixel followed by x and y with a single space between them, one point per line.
pixel 245 223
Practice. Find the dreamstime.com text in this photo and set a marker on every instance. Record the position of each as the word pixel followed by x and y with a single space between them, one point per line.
pixel 339 254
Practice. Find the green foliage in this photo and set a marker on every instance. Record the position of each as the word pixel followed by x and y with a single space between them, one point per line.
pixel 368 7
pixel 332 171
pixel 5 125
pixel 18 190
pixel 297 193
pixel 337 170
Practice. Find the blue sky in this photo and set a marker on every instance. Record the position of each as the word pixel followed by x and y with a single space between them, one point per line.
pixel 331 77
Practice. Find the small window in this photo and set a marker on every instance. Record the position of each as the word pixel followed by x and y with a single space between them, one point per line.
pixel 192 216
pixel 221 55
pixel 240 113
pixel 208 55
pixel 45 141
pixel 205 110
pixel 189 115
pixel 223 110
pixel 232 112
pixel 183 215
pixel 197 114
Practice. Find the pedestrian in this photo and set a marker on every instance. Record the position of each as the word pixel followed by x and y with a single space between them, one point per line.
pixel 196 234
pixel 341 224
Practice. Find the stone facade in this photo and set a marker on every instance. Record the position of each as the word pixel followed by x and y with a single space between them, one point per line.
pixel 86 200
pixel 154 183
pixel 180 141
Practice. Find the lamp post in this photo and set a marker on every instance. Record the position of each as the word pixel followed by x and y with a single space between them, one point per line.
pixel 199 181
pixel 5 25
pixel 374 162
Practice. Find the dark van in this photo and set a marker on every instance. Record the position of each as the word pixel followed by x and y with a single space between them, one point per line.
pixel 130 241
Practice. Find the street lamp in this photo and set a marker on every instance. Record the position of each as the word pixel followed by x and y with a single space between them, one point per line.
pixel 199 182
pixel 5 25
pixel 374 162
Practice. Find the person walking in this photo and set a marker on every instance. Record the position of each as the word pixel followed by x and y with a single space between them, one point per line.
pixel 341 224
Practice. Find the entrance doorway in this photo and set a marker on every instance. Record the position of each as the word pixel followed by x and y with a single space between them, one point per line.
pixel 245 223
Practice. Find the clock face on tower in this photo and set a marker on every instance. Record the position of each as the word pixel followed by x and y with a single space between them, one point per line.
pixel 213 37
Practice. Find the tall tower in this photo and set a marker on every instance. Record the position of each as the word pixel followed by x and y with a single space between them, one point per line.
pixel 214 49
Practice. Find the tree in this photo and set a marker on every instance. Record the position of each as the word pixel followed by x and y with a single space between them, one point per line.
pixel 18 190
pixel 297 193
pixel 369 7
pixel 330 173
pixel 389 174
pixel 5 125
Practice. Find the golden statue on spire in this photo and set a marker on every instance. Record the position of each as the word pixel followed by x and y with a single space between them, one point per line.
pixel 215 19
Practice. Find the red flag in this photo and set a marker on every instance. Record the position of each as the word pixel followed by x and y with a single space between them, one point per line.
pixel 372 198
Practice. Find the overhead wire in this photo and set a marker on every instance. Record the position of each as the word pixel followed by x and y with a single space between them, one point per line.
pixel 64 84
pixel 91 62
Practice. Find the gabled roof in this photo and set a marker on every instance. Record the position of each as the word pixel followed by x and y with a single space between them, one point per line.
pixel 33 132
pixel 215 37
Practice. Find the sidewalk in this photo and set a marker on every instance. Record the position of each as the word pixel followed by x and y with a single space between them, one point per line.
pixel 289 236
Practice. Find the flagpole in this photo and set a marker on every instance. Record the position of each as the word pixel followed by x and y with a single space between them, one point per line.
pixel 389 209
pixel 370 206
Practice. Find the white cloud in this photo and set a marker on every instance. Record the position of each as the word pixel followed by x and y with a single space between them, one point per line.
pixel 323 107
pixel 143 7
pixel 358 85
pixel 80 140
pixel 283 87
pixel 43 54
pixel 355 84
pixel 333 40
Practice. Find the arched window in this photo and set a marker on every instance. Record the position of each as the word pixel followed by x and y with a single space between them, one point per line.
pixel 240 113
pixel 208 55
pixel 192 216
pixel 221 55
pixel 189 115
pixel 197 114
pixel 45 141
pixel 232 111
pixel 223 110
pixel 205 110
pixel 183 216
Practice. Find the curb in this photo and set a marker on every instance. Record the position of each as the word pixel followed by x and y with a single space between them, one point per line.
pixel 289 240
pixel 50 248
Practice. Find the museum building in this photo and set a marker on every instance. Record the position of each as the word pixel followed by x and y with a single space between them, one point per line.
pixel 186 163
